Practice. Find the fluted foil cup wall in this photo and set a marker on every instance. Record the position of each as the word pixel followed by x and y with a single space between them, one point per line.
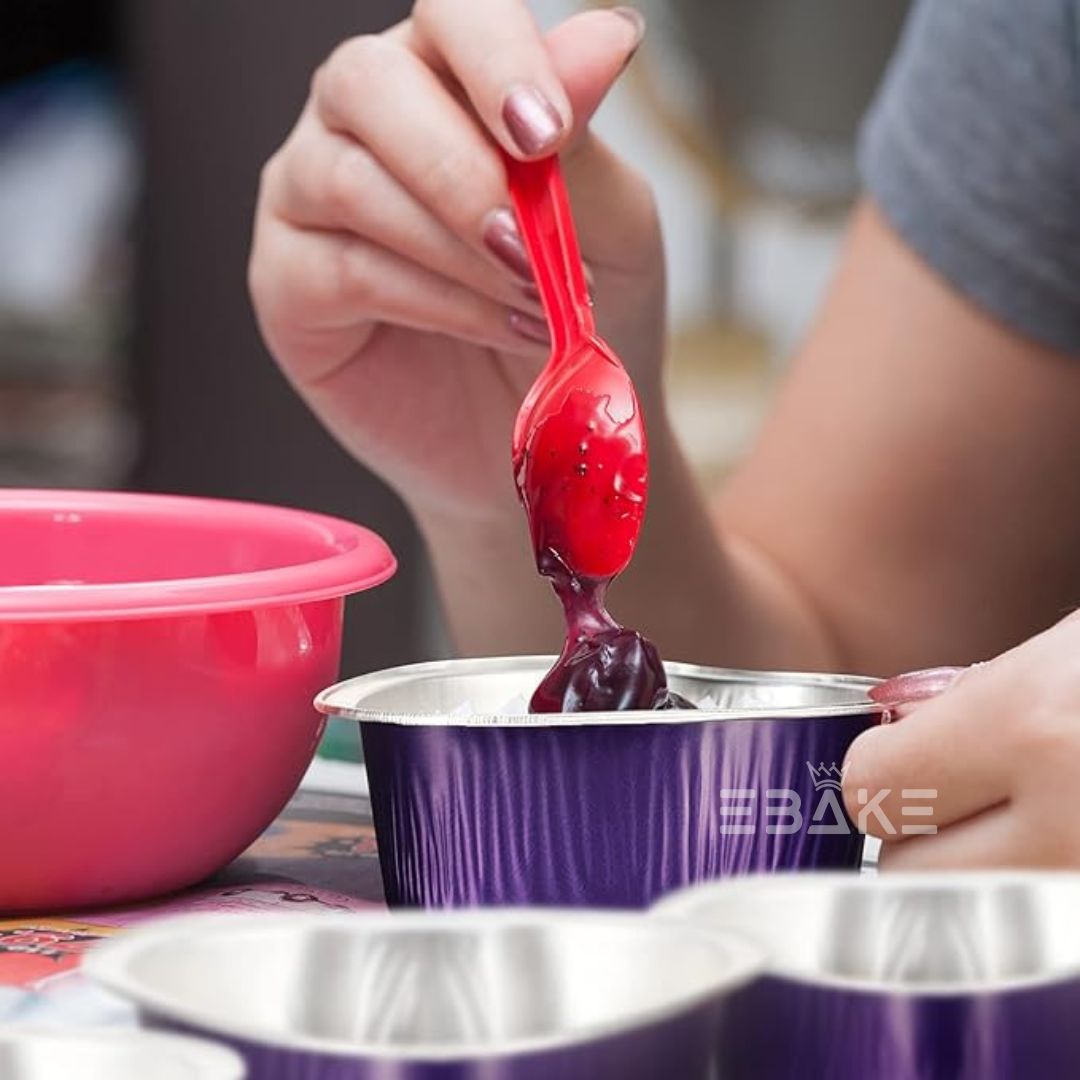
pixel 602 809
pixel 902 977
pixel 452 996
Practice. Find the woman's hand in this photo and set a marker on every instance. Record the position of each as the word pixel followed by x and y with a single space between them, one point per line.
pixel 387 273
pixel 1000 747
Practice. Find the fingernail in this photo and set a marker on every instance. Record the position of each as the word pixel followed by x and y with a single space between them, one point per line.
pixel 529 327
pixel 637 20
pixel 533 122
pixel 503 240
pixel 915 686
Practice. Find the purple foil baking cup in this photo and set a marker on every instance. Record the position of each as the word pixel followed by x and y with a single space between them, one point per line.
pixel 495 995
pixel 901 977
pixel 599 809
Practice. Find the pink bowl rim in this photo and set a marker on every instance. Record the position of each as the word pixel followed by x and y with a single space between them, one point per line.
pixel 357 559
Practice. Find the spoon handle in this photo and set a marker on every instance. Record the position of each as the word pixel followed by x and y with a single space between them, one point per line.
pixel 543 210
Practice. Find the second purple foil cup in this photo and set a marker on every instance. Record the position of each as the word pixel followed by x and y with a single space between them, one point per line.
pixel 473 807
pixel 963 976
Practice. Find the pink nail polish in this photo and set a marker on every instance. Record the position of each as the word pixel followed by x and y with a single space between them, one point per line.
pixel 532 121
pixel 530 327
pixel 503 240
pixel 913 687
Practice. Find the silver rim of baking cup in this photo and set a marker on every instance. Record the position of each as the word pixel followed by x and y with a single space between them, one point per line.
pixel 110 965
pixel 345 700
pixel 710 905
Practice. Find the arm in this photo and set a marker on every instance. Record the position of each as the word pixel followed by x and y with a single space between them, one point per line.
pixel 912 500
pixel 918 478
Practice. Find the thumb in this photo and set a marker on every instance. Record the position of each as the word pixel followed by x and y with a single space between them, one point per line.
pixel 589 52
pixel 613 206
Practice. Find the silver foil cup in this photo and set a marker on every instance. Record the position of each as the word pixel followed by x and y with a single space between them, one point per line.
pixel 901 977
pixel 599 809
pixel 29 1054
pixel 497 995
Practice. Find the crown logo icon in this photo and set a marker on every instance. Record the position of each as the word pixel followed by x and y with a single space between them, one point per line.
pixel 825 776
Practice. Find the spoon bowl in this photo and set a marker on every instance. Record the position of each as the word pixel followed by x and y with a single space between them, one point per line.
pixel 579 448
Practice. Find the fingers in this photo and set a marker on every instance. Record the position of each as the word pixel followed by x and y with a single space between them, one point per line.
pixel 1005 837
pixel 403 144
pixel 317 284
pixel 952 758
pixel 496 51
pixel 985 842
pixel 389 101
pixel 533 94
pixel 996 756
pixel 390 179
pixel 328 181
pixel 589 52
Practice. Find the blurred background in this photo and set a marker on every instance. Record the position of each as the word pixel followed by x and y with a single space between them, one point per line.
pixel 131 136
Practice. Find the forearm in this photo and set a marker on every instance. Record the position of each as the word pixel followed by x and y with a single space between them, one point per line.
pixel 917 473
pixel 701 597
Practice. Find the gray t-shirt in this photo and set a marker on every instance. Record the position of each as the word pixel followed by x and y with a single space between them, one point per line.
pixel 972 151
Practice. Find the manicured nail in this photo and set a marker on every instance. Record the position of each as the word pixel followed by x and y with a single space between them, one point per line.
pixel 637 20
pixel 915 686
pixel 533 122
pixel 530 327
pixel 503 240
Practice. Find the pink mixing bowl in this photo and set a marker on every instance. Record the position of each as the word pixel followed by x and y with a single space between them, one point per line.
pixel 158 660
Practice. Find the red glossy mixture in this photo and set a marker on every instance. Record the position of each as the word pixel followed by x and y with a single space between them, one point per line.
pixel 583 479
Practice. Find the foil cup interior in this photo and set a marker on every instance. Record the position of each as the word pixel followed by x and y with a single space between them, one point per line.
pixel 413 988
pixel 926 934
pixel 105 1055
pixel 495 691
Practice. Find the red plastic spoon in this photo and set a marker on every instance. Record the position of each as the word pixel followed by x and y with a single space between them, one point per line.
pixel 581 468
pixel 579 442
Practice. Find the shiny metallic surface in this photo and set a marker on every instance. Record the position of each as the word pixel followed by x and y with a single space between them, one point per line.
pixel 520 995
pixel 436 694
pixel 27 1054
pixel 901 977
pixel 593 809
